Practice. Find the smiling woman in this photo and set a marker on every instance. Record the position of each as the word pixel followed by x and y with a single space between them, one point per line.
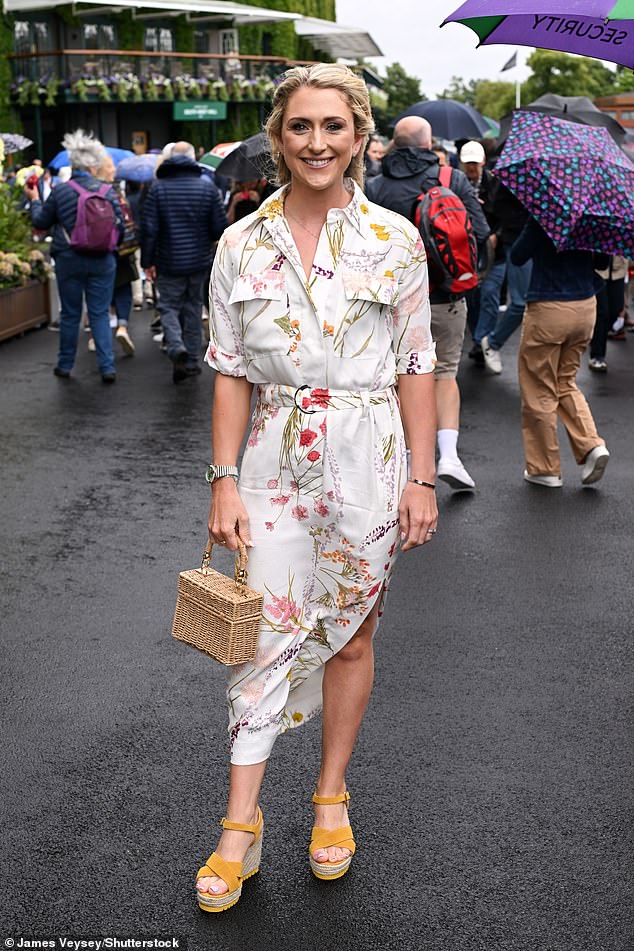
pixel 319 298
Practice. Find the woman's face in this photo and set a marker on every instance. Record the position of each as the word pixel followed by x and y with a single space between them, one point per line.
pixel 376 151
pixel 318 138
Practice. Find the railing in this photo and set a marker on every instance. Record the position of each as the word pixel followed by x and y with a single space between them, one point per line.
pixel 69 65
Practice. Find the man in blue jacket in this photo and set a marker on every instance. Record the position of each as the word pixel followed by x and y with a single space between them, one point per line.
pixel 182 215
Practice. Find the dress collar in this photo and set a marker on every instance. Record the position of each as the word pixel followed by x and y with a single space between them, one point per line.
pixel 356 211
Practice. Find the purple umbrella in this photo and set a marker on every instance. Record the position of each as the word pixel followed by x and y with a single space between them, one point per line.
pixel 574 179
pixel 599 28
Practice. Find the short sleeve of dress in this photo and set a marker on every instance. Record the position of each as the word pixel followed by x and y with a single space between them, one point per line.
pixel 225 352
pixel 412 341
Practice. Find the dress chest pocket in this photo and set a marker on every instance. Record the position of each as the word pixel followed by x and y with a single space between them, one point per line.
pixel 264 311
pixel 362 324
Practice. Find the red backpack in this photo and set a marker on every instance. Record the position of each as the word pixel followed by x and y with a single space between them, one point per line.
pixel 445 227
pixel 95 230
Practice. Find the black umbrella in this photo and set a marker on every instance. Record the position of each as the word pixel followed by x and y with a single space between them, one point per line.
pixel 449 119
pixel 571 108
pixel 252 159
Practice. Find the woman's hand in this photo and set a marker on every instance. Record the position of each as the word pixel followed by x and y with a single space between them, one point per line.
pixel 418 515
pixel 228 520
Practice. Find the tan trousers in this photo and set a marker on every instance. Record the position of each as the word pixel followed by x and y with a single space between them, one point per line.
pixel 554 337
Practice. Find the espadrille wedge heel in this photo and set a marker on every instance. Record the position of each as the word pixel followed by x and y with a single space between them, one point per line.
pixel 326 838
pixel 232 873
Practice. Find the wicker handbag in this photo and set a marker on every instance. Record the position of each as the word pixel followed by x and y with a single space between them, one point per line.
pixel 216 615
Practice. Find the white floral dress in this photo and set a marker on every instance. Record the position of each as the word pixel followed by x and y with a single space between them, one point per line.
pixel 324 467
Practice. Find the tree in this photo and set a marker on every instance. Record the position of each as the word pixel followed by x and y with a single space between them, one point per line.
pixel 461 91
pixel 566 75
pixel 402 90
pixel 494 97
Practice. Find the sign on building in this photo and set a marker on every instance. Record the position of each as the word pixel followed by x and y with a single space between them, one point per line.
pixel 200 109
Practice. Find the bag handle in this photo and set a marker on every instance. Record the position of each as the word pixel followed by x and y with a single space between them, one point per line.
pixel 240 575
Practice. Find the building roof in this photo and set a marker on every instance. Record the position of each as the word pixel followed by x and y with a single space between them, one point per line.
pixel 238 13
pixel 347 42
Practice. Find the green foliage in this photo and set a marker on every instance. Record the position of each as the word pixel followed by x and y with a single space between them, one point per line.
pixel 461 91
pixel 402 90
pixel 494 97
pixel 129 31
pixel 624 80
pixel 566 75
pixel 9 121
pixel 15 227
pixel 184 40
pixel 66 12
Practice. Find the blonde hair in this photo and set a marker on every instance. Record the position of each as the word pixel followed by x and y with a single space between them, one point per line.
pixel 321 76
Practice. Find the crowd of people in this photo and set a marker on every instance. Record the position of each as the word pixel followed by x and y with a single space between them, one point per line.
pixel 341 300
pixel 165 234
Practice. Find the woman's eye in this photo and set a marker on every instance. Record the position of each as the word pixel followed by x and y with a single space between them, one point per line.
pixel 298 127
pixel 334 127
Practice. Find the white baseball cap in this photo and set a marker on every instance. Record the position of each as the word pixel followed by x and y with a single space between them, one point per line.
pixel 472 152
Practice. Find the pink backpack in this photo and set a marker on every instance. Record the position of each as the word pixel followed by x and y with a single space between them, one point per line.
pixel 95 230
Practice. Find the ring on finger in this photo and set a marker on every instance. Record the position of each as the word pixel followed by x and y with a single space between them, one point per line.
pixel 432 531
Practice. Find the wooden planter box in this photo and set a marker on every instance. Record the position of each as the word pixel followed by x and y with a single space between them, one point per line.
pixel 23 307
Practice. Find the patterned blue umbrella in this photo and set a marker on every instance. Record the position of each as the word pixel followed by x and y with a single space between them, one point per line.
pixel 117 155
pixel 137 168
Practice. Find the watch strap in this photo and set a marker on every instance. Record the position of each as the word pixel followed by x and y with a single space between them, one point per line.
pixel 220 472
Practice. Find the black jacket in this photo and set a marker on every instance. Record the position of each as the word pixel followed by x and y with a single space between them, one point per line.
pixel 182 215
pixel 508 212
pixel 408 172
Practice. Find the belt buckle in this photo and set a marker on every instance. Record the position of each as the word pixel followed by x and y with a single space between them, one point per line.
pixel 308 410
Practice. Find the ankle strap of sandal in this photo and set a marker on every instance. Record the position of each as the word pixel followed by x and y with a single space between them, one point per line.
pixel 331 800
pixel 242 826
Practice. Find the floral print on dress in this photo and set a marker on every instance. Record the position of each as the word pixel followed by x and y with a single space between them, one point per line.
pixel 324 464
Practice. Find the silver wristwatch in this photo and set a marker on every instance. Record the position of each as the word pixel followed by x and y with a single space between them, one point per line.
pixel 219 472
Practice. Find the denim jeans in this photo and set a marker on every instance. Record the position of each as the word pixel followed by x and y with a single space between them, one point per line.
pixel 78 275
pixel 499 327
pixel 181 306
pixel 122 300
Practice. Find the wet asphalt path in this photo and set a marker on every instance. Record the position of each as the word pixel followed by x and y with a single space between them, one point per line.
pixel 492 783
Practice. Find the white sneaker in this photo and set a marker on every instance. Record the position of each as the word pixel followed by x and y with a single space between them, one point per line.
pixel 550 481
pixel 492 358
pixel 125 340
pixel 599 366
pixel 594 465
pixel 454 474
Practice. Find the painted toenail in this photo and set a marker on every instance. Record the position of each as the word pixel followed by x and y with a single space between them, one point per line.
pixel 215 889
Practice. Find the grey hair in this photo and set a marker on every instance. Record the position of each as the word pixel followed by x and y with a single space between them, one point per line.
pixel 84 151
pixel 183 148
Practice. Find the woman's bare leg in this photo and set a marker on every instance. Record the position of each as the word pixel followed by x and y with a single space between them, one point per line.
pixel 244 790
pixel 348 678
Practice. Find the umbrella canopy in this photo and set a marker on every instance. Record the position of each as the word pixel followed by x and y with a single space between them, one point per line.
pixel 214 157
pixel 602 29
pixel 577 109
pixel 574 179
pixel 251 159
pixel 137 168
pixel 450 119
pixel 117 155
pixel 13 142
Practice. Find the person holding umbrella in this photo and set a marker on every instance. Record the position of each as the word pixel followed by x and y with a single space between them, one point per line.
pixel 558 325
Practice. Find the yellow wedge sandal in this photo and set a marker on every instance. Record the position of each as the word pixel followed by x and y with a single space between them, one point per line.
pixel 327 838
pixel 232 873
